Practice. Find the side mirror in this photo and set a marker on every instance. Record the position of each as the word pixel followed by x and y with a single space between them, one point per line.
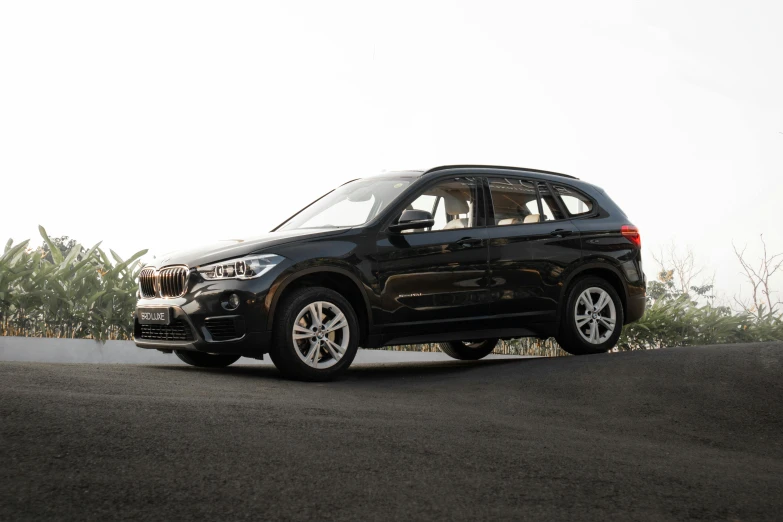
pixel 413 220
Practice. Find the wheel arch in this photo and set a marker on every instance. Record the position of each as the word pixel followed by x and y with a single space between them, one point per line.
pixel 338 279
pixel 606 271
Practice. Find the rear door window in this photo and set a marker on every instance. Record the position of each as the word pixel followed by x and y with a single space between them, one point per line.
pixel 514 201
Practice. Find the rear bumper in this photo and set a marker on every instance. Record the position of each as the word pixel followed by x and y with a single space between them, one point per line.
pixel 636 306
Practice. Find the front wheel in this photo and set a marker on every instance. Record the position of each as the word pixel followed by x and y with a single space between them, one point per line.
pixel 207 360
pixel 316 335
pixel 593 318
pixel 468 350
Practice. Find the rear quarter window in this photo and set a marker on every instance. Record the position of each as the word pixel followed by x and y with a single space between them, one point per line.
pixel 575 202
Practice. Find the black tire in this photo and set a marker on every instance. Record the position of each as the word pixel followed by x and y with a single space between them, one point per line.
pixel 283 353
pixel 468 351
pixel 207 360
pixel 569 337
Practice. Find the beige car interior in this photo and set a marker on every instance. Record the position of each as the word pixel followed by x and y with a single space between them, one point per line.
pixel 511 206
pixel 455 207
pixel 530 218
pixel 514 203
pixel 454 201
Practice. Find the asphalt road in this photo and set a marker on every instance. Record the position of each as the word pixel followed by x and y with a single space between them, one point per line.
pixel 686 433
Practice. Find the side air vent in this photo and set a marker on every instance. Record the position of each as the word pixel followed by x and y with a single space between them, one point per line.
pixel 225 328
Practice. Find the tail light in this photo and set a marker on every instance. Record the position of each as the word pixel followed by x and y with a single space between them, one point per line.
pixel 632 234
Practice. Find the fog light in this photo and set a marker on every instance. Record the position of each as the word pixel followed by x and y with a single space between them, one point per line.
pixel 233 302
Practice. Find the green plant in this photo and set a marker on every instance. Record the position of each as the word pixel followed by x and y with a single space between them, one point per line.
pixel 64 290
pixel 683 322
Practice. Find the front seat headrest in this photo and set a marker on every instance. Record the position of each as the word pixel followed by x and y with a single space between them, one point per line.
pixel 455 206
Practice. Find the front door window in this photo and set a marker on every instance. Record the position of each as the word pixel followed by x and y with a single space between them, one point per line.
pixel 453 203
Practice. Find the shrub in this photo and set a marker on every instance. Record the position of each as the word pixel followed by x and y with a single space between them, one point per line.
pixel 64 290
pixel 683 322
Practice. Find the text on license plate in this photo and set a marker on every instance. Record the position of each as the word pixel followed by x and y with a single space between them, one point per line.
pixel 153 315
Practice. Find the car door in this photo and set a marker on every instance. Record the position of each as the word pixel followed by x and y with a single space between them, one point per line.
pixel 531 242
pixel 436 279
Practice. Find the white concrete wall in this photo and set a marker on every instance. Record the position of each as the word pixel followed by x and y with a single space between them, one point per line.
pixel 35 349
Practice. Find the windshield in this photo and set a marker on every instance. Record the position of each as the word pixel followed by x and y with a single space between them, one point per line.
pixel 350 205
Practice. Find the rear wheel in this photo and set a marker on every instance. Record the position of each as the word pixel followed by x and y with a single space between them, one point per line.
pixel 468 350
pixel 316 335
pixel 593 318
pixel 207 360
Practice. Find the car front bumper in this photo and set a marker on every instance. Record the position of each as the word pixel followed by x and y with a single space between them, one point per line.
pixel 200 339
pixel 200 320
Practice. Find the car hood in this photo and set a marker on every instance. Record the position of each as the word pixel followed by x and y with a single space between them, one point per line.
pixel 221 250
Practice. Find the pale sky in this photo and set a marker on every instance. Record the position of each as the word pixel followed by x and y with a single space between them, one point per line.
pixel 164 124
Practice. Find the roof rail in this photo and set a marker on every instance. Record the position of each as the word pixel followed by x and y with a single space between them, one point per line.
pixel 519 169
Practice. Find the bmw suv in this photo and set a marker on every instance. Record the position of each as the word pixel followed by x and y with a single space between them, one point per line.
pixel 460 255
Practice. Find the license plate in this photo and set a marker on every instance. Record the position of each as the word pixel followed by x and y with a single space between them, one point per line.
pixel 153 315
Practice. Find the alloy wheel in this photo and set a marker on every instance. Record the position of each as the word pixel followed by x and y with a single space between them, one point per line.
pixel 321 335
pixel 595 315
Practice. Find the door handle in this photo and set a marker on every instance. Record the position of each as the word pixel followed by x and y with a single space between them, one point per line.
pixel 561 232
pixel 468 242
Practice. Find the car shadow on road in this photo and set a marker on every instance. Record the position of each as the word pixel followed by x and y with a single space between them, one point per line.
pixel 365 371
pixel 379 371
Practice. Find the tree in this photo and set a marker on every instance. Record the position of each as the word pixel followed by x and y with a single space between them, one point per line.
pixel 760 276
pixel 678 277
pixel 64 244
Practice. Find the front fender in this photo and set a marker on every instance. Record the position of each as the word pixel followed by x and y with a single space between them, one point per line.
pixel 296 272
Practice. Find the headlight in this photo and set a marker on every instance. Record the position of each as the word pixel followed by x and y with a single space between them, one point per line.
pixel 248 267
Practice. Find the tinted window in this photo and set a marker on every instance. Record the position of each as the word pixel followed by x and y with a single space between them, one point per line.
pixel 453 204
pixel 514 201
pixel 435 206
pixel 549 204
pixel 424 202
pixel 576 203
pixel 441 218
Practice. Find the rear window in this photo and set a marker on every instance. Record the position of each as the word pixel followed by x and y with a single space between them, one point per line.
pixel 576 202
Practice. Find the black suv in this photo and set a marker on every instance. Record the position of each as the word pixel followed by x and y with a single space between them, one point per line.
pixel 457 255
